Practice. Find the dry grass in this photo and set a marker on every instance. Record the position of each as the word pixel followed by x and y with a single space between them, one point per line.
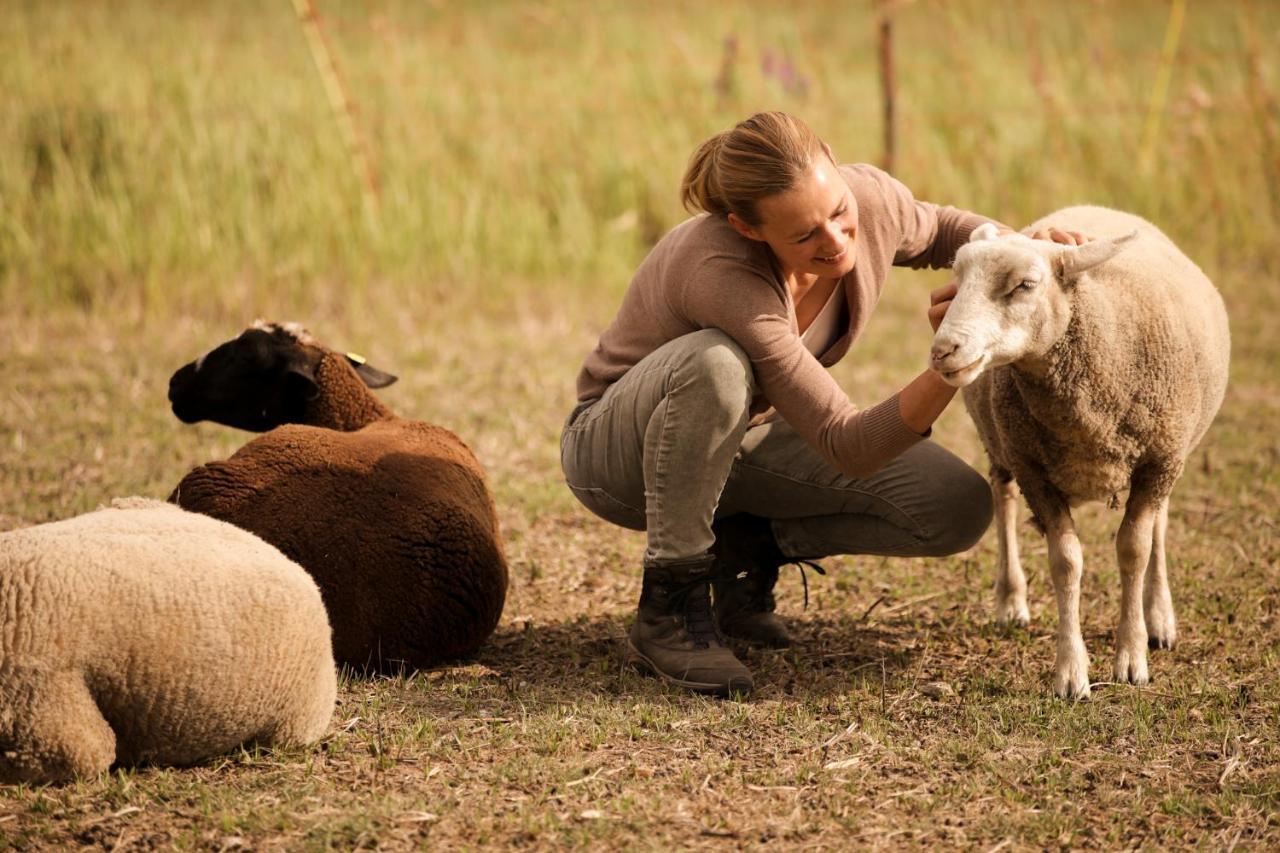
pixel 545 739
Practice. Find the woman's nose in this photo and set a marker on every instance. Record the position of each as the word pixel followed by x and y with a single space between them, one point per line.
pixel 832 236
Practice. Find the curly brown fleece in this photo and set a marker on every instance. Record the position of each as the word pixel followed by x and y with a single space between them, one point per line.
pixel 392 519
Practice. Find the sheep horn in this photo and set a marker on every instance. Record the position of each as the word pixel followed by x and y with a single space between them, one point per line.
pixel 1073 262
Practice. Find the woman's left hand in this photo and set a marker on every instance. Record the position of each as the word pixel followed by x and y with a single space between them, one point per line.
pixel 1066 238
pixel 939 302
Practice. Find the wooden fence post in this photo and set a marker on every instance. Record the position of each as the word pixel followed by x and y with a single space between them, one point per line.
pixel 341 104
pixel 888 85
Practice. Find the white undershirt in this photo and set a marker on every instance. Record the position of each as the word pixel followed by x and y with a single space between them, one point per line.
pixel 821 333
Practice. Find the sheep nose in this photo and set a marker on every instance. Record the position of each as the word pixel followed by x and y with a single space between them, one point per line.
pixel 175 383
pixel 942 350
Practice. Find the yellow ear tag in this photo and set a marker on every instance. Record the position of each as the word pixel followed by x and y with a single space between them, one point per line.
pixel 356 358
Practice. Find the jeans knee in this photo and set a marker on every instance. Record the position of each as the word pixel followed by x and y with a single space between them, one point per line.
pixel 965 514
pixel 722 368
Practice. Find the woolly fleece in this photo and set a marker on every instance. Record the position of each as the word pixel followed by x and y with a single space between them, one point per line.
pixel 142 633
pixel 393 519
pixel 1132 385
pixel 1112 368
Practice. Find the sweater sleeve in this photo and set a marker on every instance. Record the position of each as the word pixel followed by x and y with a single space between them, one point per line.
pixel 730 295
pixel 931 234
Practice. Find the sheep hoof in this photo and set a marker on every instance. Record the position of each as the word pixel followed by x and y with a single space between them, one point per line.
pixel 1162 630
pixel 1131 666
pixel 1066 690
pixel 1011 609
pixel 1072 678
pixel 1013 616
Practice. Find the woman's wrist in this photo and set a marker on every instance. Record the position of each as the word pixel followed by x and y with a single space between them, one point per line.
pixel 923 400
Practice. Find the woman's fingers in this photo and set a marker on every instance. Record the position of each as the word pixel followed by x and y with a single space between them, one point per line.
pixel 939 301
pixel 943 294
pixel 1057 235
pixel 937 312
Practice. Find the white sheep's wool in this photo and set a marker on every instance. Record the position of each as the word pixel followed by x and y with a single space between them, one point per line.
pixel 296 330
pixel 1089 371
pixel 199 634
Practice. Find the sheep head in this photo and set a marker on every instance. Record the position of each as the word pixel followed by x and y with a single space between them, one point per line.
pixel 259 380
pixel 1013 300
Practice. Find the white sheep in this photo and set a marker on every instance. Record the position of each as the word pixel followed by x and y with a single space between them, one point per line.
pixel 143 633
pixel 1088 370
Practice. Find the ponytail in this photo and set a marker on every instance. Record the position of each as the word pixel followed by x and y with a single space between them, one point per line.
pixel 700 188
pixel 762 156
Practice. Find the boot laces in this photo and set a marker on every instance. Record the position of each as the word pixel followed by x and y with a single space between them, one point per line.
pixel 804 576
pixel 699 621
pixel 762 593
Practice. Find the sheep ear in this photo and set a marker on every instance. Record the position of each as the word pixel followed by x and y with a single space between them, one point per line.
pixel 372 376
pixel 302 375
pixel 985 231
pixel 1070 263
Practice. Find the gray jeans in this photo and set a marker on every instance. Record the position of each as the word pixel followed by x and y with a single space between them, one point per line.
pixel 667 449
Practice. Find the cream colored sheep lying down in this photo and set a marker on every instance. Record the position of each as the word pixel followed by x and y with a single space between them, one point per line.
pixel 144 633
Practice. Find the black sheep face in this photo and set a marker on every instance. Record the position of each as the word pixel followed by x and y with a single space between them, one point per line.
pixel 256 382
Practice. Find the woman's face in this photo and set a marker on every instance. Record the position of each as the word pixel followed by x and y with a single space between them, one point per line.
pixel 811 227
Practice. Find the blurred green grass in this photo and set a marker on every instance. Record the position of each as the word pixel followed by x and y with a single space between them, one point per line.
pixel 184 156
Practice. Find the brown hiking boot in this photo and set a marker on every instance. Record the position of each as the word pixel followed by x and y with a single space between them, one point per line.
pixel 674 636
pixel 747 563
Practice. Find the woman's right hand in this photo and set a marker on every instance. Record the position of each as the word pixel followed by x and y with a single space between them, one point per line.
pixel 939 302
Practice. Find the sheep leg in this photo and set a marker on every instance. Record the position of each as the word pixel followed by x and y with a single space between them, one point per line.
pixel 1066 564
pixel 1011 582
pixel 1133 551
pixel 59 733
pixel 1157 602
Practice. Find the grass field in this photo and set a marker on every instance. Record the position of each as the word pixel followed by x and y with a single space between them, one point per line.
pixel 169 173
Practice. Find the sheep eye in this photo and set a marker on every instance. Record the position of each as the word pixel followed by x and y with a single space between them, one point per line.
pixel 1025 284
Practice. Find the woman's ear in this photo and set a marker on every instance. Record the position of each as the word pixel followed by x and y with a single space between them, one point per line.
pixel 740 225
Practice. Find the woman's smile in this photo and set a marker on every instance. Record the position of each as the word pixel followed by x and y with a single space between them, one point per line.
pixel 833 260
pixel 811 227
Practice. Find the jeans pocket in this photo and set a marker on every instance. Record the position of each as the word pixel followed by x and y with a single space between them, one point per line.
pixel 608 507
pixel 575 423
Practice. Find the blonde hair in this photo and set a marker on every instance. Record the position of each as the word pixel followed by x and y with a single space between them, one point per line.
pixel 762 156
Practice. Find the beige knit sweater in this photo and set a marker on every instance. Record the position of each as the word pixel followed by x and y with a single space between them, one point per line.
pixel 703 274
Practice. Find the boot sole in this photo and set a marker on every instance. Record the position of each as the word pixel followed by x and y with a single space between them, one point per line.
pixel 638 660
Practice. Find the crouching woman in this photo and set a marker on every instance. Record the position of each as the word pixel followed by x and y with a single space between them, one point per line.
pixel 707 418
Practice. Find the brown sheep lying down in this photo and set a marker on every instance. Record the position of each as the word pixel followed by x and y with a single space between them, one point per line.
pixel 392 518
